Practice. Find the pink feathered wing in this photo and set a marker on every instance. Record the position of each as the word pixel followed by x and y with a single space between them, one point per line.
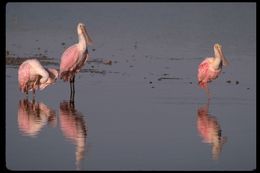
pixel 71 62
pixel 24 77
pixel 206 74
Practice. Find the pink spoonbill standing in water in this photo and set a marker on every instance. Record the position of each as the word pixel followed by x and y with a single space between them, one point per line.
pixel 210 68
pixel 74 58
pixel 32 76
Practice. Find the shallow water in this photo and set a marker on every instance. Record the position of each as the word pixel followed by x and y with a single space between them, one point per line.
pixel 145 110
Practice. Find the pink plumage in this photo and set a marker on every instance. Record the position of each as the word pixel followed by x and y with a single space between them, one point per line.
pixel 206 74
pixel 74 58
pixel 24 77
pixel 210 68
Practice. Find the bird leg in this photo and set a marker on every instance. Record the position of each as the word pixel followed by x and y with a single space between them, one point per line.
pixel 36 83
pixel 73 81
pixel 72 104
pixel 207 105
pixel 72 89
pixel 207 91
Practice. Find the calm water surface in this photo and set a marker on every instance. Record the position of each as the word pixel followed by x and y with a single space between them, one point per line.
pixel 145 110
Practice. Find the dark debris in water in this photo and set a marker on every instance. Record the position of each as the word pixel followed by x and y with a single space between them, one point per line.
pixel 93 71
pixel 114 72
pixel 237 82
pixel 228 81
pixel 176 58
pixel 101 61
pixel 161 78
pixel 16 61
pixel 108 62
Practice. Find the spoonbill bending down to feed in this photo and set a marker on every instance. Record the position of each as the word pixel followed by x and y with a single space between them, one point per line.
pixel 210 68
pixel 74 58
pixel 32 75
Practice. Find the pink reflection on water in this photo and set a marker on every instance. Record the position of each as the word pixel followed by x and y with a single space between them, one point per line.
pixel 32 116
pixel 210 131
pixel 74 128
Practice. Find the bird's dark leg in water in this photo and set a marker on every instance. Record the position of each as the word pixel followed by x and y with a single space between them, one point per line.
pixel 72 105
pixel 72 89
pixel 208 93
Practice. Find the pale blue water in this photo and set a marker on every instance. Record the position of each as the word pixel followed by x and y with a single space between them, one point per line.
pixel 132 120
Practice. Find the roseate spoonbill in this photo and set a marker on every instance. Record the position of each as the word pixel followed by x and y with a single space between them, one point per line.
pixel 73 127
pixel 210 68
pixel 32 117
pixel 32 75
pixel 74 58
pixel 210 131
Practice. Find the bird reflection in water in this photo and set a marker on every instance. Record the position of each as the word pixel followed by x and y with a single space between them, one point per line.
pixel 73 128
pixel 209 129
pixel 32 116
